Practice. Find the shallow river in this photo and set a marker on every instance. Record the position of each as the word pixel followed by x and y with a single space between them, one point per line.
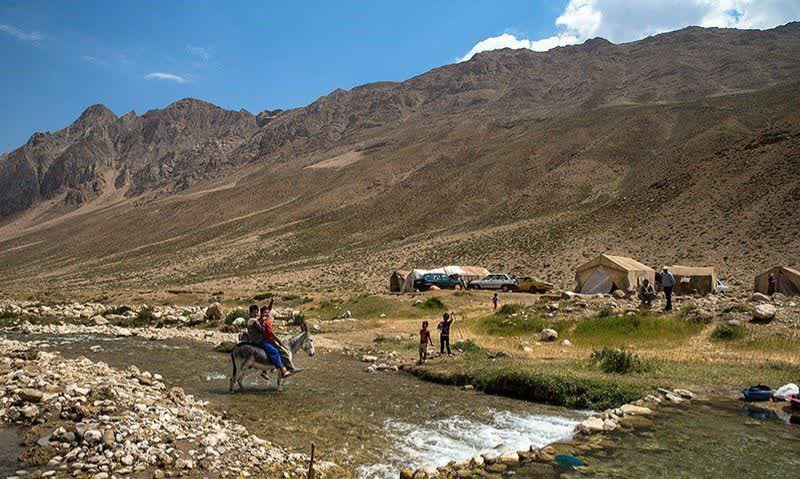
pixel 372 423
pixel 706 440
pixel 376 423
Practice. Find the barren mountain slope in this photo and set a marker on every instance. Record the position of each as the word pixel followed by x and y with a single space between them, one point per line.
pixel 682 147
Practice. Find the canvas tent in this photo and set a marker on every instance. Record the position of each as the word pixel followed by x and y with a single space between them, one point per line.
pixel 397 280
pixel 788 280
pixel 694 279
pixel 467 273
pixel 606 273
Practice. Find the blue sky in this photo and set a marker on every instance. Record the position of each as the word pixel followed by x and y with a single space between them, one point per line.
pixel 60 57
pixel 253 55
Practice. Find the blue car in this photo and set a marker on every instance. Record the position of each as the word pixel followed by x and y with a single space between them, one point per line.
pixel 441 281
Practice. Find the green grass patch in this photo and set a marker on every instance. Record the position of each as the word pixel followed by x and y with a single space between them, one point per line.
pixel 236 313
pixel 8 318
pixel 468 346
pixel 737 308
pixel 616 361
pixel 641 329
pixel 433 303
pixel 366 307
pixel 510 309
pixel 541 387
pixel 516 321
pixel 262 296
pixel 389 342
pixel 728 332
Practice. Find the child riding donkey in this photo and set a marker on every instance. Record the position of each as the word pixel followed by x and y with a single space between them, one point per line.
pixel 261 333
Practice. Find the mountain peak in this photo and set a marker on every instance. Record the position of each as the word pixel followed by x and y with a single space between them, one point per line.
pixel 96 112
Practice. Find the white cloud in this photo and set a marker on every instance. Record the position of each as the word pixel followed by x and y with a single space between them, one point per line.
pixel 508 40
pixel 165 76
pixel 628 20
pixel 19 34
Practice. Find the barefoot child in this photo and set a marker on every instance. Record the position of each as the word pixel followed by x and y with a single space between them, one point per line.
pixel 424 340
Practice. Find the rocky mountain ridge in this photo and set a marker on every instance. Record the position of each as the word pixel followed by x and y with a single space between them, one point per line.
pixel 191 140
pixel 678 147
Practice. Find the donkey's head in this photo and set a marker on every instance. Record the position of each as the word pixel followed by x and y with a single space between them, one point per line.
pixel 308 342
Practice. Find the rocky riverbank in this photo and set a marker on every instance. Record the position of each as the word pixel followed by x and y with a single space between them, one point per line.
pixel 88 419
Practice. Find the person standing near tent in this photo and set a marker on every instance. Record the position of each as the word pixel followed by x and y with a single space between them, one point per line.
pixel 495 301
pixel 658 286
pixel 772 286
pixel 444 332
pixel 668 282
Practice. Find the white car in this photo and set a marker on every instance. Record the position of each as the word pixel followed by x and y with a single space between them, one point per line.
pixel 502 281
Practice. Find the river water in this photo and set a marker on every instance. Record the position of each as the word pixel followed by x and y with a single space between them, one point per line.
pixel 376 423
pixel 706 440
pixel 373 424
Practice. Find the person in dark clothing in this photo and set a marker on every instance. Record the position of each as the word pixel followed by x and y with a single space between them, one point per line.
pixel 647 294
pixel 658 286
pixel 772 286
pixel 668 282
pixel 444 332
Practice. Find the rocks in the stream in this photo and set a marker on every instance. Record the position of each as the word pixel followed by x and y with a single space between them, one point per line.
pixel 107 421
pixel 630 409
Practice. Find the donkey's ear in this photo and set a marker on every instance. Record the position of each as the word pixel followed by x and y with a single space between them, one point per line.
pixel 304 327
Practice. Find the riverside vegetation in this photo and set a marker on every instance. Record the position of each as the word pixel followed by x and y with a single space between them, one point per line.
pixel 603 353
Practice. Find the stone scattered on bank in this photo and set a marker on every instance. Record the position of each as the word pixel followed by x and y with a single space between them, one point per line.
pixel 98 421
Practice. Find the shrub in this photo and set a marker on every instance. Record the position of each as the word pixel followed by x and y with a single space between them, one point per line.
pixel 728 332
pixel 119 310
pixel 432 303
pixel 737 308
pixel 616 361
pixel 236 313
pixel 467 345
pixel 262 296
pixel 509 309
pixel 145 315
pixel 607 312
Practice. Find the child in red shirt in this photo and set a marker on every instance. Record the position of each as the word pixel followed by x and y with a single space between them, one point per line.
pixel 424 340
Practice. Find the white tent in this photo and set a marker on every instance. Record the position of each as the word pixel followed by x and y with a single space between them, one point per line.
pixel 598 282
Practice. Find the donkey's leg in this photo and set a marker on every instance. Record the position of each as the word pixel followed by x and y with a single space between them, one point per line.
pixel 234 374
pixel 243 368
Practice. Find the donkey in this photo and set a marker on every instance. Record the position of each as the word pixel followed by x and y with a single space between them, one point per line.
pixel 246 356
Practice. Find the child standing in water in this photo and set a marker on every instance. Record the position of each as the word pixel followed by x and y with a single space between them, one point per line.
pixel 424 340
